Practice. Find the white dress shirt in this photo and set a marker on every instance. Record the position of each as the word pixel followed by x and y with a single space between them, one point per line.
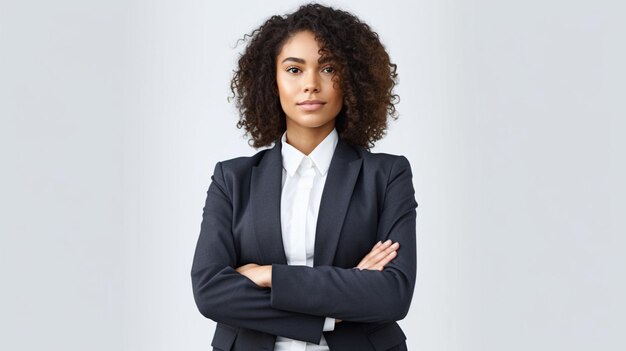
pixel 303 181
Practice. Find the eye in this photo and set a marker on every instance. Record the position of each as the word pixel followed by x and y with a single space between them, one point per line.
pixel 291 68
pixel 329 69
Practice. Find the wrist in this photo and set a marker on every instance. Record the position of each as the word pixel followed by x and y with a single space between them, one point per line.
pixel 268 281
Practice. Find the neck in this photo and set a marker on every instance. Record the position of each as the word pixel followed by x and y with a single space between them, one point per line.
pixel 307 139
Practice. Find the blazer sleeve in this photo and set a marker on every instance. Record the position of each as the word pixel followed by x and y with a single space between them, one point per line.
pixel 226 296
pixel 361 295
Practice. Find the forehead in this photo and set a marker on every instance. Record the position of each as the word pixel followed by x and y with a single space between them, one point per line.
pixel 301 45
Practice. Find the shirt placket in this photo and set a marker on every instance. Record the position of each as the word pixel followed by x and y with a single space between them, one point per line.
pixel 301 206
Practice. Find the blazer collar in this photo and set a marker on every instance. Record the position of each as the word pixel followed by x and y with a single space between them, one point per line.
pixel 266 188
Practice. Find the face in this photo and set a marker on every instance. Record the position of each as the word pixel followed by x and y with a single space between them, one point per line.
pixel 306 90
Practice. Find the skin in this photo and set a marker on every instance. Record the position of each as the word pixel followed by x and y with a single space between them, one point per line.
pixel 300 77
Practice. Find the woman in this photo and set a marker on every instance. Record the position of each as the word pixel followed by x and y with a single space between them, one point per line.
pixel 299 247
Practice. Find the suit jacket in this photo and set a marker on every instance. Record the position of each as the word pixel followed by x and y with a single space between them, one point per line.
pixel 368 197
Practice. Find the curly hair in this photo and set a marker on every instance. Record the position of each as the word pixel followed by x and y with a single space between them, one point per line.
pixel 365 74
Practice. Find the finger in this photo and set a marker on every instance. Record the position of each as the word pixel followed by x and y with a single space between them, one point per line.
pixel 381 244
pixel 386 260
pixel 378 262
pixel 381 255
pixel 367 260
pixel 382 263
pixel 245 267
pixel 378 247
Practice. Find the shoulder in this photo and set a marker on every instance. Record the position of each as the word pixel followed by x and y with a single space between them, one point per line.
pixel 238 166
pixel 382 162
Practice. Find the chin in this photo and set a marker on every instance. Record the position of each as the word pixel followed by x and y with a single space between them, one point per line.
pixel 312 124
pixel 311 121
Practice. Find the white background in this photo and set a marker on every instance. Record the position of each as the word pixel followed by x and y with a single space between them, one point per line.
pixel 114 113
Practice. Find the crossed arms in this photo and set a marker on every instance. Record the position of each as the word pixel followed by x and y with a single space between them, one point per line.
pixel 292 301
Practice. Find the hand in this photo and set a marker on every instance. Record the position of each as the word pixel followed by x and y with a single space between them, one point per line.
pixel 260 275
pixel 379 256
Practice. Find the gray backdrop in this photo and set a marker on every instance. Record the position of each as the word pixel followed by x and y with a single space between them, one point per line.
pixel 114 113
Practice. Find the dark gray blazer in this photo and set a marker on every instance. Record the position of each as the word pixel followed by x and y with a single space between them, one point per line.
pixel 367 197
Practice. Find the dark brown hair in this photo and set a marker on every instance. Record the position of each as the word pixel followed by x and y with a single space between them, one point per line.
pixel 365 74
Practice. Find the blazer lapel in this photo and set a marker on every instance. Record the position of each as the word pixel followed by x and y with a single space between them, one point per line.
pixel 265 192
pixel 340 180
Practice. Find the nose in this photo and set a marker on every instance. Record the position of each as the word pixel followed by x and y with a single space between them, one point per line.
pixel 311 83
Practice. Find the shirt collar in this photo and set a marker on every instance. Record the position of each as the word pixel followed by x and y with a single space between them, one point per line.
pixel 321 155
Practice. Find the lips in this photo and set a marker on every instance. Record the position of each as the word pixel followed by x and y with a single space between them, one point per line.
pixel 311 105
pixel 311 102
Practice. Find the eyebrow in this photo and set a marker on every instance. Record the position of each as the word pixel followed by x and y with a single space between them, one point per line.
pixel 303 61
